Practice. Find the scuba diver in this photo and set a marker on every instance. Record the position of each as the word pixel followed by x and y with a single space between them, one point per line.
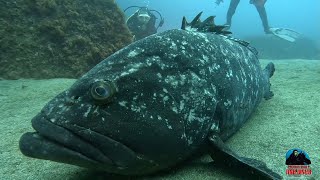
pixel 283 33
pixel 259 4
pixel 143 22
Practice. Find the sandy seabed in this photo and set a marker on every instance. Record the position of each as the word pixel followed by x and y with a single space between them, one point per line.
pixel 291 119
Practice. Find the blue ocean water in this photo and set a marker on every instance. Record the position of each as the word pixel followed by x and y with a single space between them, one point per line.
pixel 301 16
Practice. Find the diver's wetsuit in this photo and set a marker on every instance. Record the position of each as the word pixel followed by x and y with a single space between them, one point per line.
pixel 261 10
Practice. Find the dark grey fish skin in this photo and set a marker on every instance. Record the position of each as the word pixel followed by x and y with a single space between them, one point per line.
pixel 172 90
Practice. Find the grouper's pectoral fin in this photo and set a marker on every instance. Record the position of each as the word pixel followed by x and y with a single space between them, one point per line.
pixel 268 71
pixel 244 167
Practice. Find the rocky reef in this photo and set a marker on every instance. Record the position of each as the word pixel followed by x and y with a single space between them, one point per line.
pixel 58 38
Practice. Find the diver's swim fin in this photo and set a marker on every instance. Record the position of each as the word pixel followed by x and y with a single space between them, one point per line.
pixel 247 168
pixel 286 34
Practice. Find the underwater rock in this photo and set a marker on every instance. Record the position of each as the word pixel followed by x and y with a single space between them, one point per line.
pixel 55 38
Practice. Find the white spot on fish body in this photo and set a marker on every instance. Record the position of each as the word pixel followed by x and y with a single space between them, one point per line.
pixel 237 78
pixel 211 69
pixel 216 66
pixel 213 87
pixel 133 53
pixel 174 109
pixel 223 50
pixel 172 81
pixel 183 136
pixel 230 42
pixel 195 76
pixel 183 78
pixel 251 77
pixel 168 125
pixel 143 106
pixel 207 92
pixel 185 97
pixel 203 72
pixel 132 70
pixel 229 73
pixel 245 82
pixel 135 97
pixel 95 112
pixel 203 36
pixel 214 127
pixel 173 46
pixel 243 95
pixel 181 105
pixel 189 28
pixel 158 37
pixel 227 61
pixel 165 90
pixel 228 103
pixel 135 108
pixel 205 58
pixel 191 115
pixel 87 112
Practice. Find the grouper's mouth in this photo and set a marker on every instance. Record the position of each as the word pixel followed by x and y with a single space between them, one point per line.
pixel 78 146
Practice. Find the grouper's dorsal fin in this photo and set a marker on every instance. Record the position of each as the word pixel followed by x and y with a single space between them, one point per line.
pixel 196 20
pixel 209 20
pixel 207 26
pixel 194 25
pixel 184 23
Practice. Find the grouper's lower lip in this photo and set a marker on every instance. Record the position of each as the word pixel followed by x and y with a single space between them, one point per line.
pixel 37 146
pixel 79 146
pixel 52 142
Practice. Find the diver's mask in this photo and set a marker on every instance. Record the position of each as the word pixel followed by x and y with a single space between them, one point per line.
pixel 144 17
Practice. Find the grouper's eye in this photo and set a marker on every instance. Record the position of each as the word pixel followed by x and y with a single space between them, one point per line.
pixel 103 90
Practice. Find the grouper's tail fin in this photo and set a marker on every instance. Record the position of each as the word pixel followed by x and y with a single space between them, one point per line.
pixel 269 71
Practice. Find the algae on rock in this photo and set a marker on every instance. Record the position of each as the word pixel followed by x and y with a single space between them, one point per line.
pixel 58 38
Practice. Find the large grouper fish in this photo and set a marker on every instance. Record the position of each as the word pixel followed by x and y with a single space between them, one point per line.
pixel 156 103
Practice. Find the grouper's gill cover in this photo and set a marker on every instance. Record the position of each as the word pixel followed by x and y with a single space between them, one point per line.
pixel 171 90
